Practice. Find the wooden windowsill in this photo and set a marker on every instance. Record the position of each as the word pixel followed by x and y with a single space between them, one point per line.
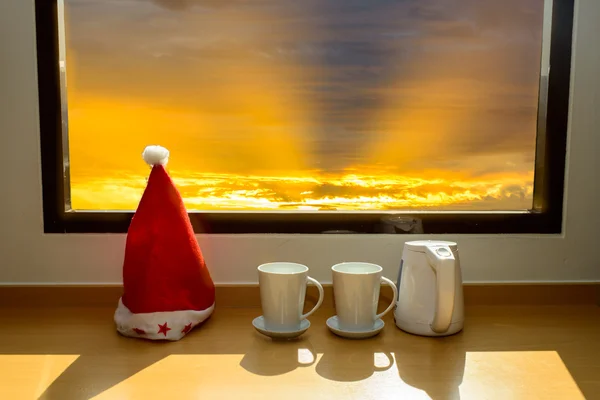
pixel 249 296
pixel 504 352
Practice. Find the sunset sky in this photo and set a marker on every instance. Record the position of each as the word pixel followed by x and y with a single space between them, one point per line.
pixel 313 104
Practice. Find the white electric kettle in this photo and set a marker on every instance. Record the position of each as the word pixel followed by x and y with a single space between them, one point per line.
pixel 430 295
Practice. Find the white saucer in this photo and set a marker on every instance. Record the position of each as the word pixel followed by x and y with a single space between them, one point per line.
pixel 259 325
pixel 334 326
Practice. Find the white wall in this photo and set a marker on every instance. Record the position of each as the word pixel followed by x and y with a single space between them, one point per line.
pixel 29 256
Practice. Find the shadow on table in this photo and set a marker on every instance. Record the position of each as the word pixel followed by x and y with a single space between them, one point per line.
pixel 435 366
pixel 353 360
pixel 268 357
pixel 104 358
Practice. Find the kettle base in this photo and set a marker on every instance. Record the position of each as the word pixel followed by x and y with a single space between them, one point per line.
pixel 425 329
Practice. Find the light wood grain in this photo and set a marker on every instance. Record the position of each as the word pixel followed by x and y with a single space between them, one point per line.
pixel 249 295
pixel 504 353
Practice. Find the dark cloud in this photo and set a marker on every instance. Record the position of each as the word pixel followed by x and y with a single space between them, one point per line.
pixel 182 5
pixel 424 11
pixel 455 30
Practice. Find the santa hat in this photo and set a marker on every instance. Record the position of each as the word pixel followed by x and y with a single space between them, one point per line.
pixel 167 288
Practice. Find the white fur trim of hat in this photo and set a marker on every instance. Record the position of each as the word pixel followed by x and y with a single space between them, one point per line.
pixel 168 325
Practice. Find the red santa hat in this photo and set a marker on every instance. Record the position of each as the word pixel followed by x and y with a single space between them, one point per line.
pixel 167 288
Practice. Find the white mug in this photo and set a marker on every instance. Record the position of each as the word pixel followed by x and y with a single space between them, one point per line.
pixel 282 293
pixel 356 287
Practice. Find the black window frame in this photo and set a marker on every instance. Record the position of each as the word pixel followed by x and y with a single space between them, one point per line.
pixel 544 218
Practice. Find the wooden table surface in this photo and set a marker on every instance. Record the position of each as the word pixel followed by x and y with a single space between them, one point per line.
pixel 504 353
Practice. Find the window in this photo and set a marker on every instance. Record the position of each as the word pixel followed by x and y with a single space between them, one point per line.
pixel 282 116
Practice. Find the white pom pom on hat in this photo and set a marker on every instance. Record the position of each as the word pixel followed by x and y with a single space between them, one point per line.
pixel 156 155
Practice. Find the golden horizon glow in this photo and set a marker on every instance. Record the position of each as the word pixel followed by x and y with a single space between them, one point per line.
pixel 206 191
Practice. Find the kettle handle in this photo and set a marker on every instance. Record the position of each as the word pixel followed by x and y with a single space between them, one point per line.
pixel 443 263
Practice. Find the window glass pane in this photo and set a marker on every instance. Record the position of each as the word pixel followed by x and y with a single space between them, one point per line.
pixel 305 105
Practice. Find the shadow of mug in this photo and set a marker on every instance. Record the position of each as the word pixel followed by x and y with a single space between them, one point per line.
pixel 355 361
pixel 434 365
pixel 269 357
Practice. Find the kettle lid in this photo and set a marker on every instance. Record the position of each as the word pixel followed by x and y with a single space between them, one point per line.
pixel 420 245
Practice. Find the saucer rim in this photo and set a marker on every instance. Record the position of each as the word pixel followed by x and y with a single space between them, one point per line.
pixel 357 332
pixel 290 332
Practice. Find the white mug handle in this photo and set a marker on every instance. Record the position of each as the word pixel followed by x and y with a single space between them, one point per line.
pixel 321 295
pixel 385 280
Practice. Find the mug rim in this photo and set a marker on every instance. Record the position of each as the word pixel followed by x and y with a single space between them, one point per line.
pixel 263 268
pixel 336 268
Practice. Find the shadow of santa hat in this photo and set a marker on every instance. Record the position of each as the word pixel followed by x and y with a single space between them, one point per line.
pixel 167 288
